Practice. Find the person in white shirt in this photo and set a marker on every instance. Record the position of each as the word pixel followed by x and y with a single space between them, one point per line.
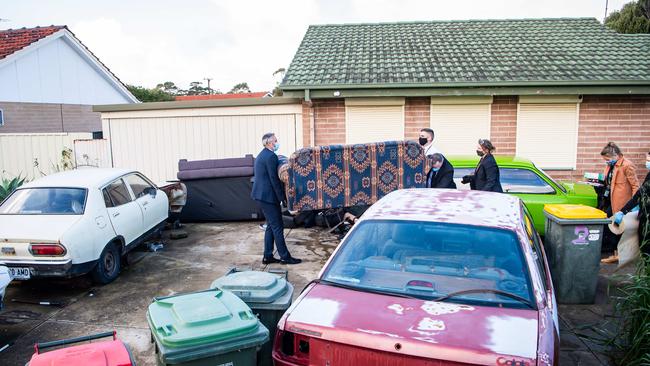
pixel 426 140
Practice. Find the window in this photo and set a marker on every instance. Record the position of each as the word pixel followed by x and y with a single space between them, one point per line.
pixel 523 181
pixel 548 134
pixel 117 193
pixel 513 180
pixel 2 118
pixel 374 120
pixel 45 201
pixel 138 185
pixel 459 126
pixel 431 260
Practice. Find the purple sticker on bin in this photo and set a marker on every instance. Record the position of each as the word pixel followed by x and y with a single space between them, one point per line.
pixel 582 235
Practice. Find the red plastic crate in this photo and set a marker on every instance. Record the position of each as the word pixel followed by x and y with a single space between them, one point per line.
pixel 104 353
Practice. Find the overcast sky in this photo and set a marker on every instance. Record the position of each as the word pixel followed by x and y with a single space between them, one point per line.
pixel 145 42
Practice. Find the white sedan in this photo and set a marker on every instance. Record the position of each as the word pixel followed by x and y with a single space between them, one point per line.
pixel 80 221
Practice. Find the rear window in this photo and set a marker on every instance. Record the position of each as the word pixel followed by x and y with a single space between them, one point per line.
pixel 431 260
pixel 45 201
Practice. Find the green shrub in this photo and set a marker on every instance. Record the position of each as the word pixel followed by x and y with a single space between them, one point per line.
pixel 633 339
pixel 9 185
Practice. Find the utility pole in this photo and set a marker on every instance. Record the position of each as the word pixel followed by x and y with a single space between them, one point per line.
pixel 209 89
pixel 606 3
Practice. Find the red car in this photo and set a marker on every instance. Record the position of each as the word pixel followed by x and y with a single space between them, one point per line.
pixel 429 277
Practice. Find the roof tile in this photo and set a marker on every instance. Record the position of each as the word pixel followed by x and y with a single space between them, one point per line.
pixel 13 40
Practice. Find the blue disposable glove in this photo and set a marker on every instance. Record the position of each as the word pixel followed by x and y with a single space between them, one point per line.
pixel 635 209
pixel 618 218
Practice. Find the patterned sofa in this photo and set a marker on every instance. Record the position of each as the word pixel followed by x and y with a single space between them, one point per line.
pixel 348 175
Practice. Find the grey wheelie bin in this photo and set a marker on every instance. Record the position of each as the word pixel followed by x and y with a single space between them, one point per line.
pixel 212 327
pixel 572 243
pixel 269 295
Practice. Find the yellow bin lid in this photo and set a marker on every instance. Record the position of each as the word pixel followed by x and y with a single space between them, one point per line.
pixel 566 211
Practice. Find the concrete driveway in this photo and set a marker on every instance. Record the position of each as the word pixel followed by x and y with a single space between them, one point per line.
pixel 183 265
pixel 188 265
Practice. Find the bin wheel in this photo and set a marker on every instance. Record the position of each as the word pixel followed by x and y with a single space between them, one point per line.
pixel 108 265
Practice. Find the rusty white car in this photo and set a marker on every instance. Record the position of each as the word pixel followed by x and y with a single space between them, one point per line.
pixel 429 277
pixel 77 222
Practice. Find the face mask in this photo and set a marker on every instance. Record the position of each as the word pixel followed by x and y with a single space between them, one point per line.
pixel 480 152
pixel 647 165
pixel 276 147
pixel 423 141
pixel 435 169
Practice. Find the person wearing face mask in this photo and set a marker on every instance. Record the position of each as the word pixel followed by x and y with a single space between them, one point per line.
pixel 426 140
pixel 441 174
pixel 268 192
pixel 486 176
pixel 620 185
pixel 640 203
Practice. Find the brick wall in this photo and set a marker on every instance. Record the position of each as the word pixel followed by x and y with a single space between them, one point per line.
pixel 417 115
pixel 503 129
pixel 329 121
pixel 48 117
pixel 622 119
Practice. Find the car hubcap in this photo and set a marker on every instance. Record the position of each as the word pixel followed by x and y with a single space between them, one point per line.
pixel 109 263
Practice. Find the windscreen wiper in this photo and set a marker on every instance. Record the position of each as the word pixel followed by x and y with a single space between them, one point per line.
pixel 487 290
pixel 365 289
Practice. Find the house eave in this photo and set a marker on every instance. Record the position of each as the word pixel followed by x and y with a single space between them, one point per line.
pixel 471 91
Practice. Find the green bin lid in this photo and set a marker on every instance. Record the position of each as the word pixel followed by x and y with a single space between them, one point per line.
pixel 212 316
pixel 253 286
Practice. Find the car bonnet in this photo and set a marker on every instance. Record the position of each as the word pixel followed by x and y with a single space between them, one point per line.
pixel 438 330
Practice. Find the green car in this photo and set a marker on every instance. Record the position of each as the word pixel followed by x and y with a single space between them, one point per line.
pixel 523 179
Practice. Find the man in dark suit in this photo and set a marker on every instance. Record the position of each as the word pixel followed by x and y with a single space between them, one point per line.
pixel 441 174
pixel 268 192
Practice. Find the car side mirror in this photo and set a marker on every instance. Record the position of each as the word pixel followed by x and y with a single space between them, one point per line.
pixel 151 190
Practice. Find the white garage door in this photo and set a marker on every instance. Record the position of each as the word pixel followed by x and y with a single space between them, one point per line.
pixel 458 127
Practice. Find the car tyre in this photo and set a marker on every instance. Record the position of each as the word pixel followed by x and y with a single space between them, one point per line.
pixel 108 265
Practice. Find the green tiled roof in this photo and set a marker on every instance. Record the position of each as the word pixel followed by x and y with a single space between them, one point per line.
pixel 468 53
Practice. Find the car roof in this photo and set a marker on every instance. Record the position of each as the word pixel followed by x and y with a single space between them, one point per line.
pixel 82 178
pixel 505 160
pixel 477 208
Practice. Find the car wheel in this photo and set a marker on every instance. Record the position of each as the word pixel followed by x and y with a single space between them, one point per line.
pixel 108 265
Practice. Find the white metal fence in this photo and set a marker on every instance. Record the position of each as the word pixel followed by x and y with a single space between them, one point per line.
pixel 19 152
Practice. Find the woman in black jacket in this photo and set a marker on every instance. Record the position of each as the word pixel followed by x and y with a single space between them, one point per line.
pixel 486 175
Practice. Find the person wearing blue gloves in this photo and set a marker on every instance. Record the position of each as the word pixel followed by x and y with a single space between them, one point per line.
pixel 640 202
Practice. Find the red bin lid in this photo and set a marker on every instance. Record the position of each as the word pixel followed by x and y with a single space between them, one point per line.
pixel 106 353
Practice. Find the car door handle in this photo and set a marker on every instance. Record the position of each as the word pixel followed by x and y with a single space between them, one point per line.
pixel 116 214
pixel 145 203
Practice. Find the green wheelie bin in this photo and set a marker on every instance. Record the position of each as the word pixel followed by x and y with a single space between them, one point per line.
pixel 212 327
pixel 572 243
pixel 269 295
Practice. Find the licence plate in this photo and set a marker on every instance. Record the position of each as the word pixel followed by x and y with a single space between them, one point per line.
pixel 19 273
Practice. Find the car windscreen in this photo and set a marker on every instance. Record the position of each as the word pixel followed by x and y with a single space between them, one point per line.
pixel 431 260
pixel 45 201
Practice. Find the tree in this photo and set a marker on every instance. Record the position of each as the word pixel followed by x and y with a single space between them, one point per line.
pixel 197 88
pixel 633 18
pixel 277 92
pixel 149 95
pixel 170 88
pixel 240 88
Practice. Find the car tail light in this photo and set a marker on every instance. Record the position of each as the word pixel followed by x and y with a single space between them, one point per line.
pixel 292 347
pixel 47 249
